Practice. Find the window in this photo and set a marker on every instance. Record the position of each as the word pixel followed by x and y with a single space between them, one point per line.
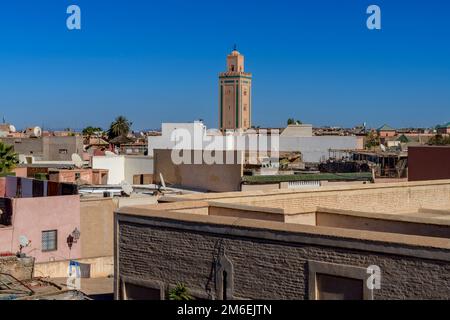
pixel 62 151
pixel 137 292
pixel 77 175
pixel 49 240
pixel 329 281
pixel 338 288
pixel 245 107
pixel 138 289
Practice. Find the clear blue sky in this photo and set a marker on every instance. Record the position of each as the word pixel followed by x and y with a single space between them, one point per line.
pixel 158 61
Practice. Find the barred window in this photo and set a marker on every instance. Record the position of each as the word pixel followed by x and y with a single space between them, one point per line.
pixel 49 240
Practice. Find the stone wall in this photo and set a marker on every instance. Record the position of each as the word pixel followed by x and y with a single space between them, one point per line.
pixel 20 268
pixel 268 264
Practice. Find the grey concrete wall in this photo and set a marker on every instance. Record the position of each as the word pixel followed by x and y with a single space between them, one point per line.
pixel 265 268
pixel 52 146
pixel 27 146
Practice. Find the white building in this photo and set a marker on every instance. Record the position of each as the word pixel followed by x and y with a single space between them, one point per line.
pixel 295 138
pixel 124 167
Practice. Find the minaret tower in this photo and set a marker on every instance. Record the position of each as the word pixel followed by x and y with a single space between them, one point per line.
pixel 235 90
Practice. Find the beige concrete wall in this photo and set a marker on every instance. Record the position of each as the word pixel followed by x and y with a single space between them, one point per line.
pixel 383 198
pixel 247 214
pixel 96 227
pixel 253 187
pixel 324 219
pixel 100 267
pixel 210 177
pixel 304 218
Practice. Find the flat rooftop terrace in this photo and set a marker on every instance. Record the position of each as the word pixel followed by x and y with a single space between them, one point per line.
pixel 407 212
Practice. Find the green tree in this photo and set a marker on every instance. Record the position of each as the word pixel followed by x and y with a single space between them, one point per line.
pixel 291 121
pixel 8 158
pixel 372 140
pixel 120 126
pixel 439 140
pixel 180 292
pixel 90 131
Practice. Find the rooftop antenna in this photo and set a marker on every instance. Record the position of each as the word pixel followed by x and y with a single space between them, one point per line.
pixel 77 161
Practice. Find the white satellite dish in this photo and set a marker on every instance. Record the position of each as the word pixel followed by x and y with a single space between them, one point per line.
pixel 22 158
pixel 12 129
pixel 126 188
pixel 37 132
pixel 77 161
pixel 383 148
pixel 23 241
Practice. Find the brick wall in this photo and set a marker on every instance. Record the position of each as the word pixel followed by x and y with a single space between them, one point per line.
pixel 264 268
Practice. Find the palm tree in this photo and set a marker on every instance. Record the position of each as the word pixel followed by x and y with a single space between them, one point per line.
pixel 8 158
pixel 120 126
pixel 180 292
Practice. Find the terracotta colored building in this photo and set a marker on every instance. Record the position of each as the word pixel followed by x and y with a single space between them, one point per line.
pixel 79 176
pixel 444 129
pixel 386 131
pixel 235 90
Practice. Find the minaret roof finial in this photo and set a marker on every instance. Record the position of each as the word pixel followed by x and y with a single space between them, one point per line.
pixel 235 47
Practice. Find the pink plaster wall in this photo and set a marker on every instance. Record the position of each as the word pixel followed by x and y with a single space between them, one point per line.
pixel 31 216
pixel 21 172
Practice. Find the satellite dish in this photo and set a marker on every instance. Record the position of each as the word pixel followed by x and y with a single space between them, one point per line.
pixel 76 159
pixel 23 241
pixel 12 129
pixel 22 158
pixel 383 148
pixel 37 132
pixel 126 188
